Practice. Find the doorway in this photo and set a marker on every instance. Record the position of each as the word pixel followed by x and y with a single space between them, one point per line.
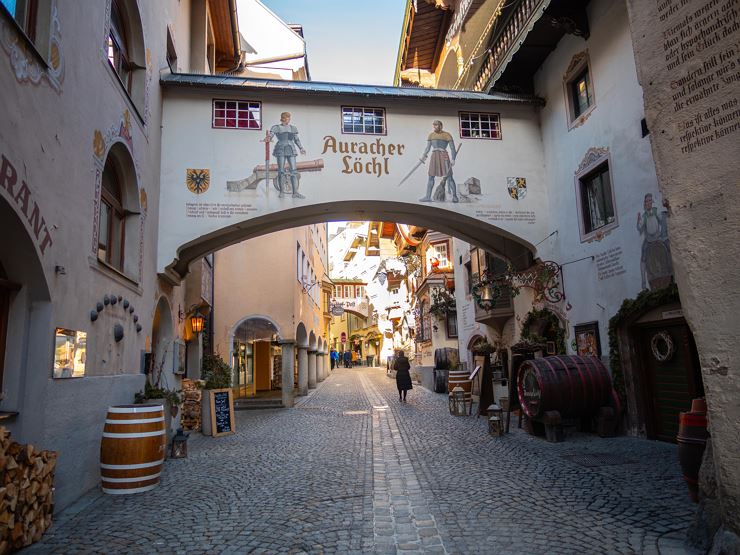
pixel 671 375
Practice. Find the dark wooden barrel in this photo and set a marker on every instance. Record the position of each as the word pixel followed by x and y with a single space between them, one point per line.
pixel 571 385
pixel 446 358
pixel 132 450
pixel 692 440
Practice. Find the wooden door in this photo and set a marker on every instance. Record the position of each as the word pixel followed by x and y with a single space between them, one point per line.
pixel 671 375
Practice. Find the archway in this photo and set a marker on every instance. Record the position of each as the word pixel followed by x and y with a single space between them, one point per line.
pixel 469 229
pixel 162 354
pixel 253 349
pixel 25 318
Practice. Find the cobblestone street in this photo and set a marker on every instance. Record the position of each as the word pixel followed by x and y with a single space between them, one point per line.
pixel 352 470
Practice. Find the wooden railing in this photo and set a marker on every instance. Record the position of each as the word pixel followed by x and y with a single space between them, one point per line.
pixel 509 36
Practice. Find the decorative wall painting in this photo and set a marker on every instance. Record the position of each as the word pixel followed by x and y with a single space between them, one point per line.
pixel 587 340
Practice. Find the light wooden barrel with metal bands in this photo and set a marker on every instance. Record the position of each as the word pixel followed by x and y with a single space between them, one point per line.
pixel 132 450
pixel 459 378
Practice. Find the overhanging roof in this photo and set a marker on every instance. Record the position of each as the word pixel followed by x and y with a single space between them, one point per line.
pixel 318 88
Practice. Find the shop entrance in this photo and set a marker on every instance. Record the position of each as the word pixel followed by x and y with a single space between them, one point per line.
pixel 254 352
pixel 671 372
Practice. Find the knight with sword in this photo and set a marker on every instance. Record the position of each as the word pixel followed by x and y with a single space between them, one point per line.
pixel 440 163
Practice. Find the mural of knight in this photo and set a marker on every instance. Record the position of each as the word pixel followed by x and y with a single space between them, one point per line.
pixel 440 163
pixel 656 268
pixel 285 151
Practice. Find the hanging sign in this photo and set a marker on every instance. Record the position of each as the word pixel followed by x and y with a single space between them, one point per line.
pixel 344 337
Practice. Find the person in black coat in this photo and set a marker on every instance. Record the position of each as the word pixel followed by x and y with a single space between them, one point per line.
pixel 403 377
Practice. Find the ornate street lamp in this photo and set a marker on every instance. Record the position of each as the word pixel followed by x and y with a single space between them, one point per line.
pixel 196 322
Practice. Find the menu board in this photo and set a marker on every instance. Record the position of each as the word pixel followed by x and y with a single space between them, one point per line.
pixel 222 411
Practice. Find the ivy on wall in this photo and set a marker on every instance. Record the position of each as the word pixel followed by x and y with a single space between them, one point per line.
pixel 551 332
pixel 631 309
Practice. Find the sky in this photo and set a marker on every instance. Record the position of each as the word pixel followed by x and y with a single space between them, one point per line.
pixel 348 41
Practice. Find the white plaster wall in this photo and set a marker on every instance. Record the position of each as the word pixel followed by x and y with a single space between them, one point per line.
pixel 48 137
pixel 190 142
pixel 613 124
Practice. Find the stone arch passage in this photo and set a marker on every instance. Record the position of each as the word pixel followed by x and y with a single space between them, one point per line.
pixel 467 228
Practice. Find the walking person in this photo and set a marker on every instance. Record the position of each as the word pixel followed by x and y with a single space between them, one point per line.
pixel 334 358
pixel 347 359
pixel 403 376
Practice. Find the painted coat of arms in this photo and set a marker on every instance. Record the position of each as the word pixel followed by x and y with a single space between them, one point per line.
pixel 517 187
pixel 198 180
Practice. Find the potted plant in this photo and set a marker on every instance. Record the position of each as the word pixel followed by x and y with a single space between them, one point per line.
pixel 155 392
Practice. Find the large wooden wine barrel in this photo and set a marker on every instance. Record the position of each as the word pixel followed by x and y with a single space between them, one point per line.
pixel 446 358
pixel 132 449
pixel 571 385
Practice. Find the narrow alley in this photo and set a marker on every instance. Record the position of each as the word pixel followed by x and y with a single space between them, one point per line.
pixel 351 470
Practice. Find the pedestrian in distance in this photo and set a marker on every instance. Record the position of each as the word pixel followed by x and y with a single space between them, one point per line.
pixel 334 357
pixel 347 359
pixel 403 377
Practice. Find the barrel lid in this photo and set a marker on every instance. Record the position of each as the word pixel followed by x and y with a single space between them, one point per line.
pixel 129 409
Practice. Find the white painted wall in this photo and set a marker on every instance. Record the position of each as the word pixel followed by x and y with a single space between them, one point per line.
pixel 613 124
pixel 190 142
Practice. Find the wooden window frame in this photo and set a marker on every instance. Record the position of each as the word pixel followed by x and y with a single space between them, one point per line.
pixel 118 46
pixel 601 164
pixel 579 65
pixel 451 316
pixel 363 110
pixel 250 107
pixel 490 116
pixel 116 208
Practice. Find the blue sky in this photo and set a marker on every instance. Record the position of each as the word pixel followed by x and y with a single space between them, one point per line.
pixel 348 41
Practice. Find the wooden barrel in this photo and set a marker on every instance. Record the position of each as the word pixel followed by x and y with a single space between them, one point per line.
pixel 571 385
pixel 133 448
pixel 459 378
pixel 445 358
pixel 692 440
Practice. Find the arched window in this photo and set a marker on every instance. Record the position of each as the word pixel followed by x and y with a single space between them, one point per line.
pixel 112 232
pixel 126 51
pixel 119 222
pixel 118 47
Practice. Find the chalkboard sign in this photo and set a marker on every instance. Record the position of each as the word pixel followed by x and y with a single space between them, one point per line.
pixel 222 411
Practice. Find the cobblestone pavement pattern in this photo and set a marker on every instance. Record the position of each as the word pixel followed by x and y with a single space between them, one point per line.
pixel 351 470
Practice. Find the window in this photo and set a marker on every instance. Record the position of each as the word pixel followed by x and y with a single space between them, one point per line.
pixel 24 12
pixel 338 291
pixel 451 324
pixel 347 292
pixel 579 91
pixel 437 256
pixel 359 291
pixel 480 126
pixel 237 114
pixel 111 234
pixel 597 203
pixel 394 291
pixel 118 47
pixel 171 51
pixel 368 121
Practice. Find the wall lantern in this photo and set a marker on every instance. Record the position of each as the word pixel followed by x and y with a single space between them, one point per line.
pixel 196 322
pixel 180 445
pixel 458 406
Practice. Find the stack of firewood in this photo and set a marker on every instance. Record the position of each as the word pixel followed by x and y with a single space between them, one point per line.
pixel 26 493
pixel 191 395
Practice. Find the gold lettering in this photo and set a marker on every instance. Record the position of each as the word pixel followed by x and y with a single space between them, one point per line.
pixel 400 149
pixel 329 143
pixel 345 161
pixel 363 148
pixel 391 149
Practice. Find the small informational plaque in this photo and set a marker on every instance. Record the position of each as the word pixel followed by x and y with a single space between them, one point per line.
pixel 222 411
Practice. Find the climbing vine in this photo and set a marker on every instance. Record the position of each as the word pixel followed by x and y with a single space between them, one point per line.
pixel 630 309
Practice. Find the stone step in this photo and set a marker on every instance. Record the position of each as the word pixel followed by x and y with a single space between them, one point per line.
pixel 255 404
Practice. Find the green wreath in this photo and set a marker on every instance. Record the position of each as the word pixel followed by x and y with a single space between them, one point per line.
pixel 552 330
